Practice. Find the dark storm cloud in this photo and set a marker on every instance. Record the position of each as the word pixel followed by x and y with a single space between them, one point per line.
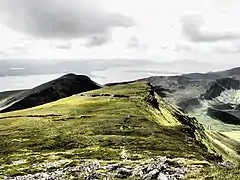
pixel 61 19
pixel 192 29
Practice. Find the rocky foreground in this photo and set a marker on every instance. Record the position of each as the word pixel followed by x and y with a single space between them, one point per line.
pixel 160 168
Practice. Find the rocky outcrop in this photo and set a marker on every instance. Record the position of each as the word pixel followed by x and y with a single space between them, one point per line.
pixel 62 87
pixel 160 168
pixel 189 104
pixel 220 85
pixel 163 92
pixel 151 99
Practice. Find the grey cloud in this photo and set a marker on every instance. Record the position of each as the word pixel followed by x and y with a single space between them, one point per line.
pixel 18 47
pixel 184 48
pixel 60 19
pixel 64 46
pixel 227 49
pixel 98 40
pixel 164 47
pixel 134 42
pixel 192 29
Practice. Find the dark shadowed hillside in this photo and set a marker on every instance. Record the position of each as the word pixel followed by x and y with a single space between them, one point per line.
pixel 7 94
pixel 62 87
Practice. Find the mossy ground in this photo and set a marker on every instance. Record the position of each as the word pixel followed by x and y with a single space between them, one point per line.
pixel 222 144
pixel 95 127
pixel 214 173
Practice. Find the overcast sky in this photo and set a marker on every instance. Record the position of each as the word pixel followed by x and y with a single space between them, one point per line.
pixel 159 30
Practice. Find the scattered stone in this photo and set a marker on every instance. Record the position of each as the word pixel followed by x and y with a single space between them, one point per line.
pixel 92 176
pixel 123 173
pixel 162 176
pixel 151 175
pixel 113 167
pixel 153 169
pixel 228 164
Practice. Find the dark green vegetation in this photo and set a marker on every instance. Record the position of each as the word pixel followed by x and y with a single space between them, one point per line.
pixel 128 120
pixel 62 87
pixel 215 173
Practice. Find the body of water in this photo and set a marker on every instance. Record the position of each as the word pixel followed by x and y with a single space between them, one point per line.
pixel 24 82
pixel 106 76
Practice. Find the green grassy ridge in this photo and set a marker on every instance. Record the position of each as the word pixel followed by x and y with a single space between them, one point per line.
pixel 115 118
pixel 92 126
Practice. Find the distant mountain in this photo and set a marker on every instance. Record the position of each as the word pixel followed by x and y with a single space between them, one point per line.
pixel 64 86
pixel 212 97
pixel 234 73
pixel 190 66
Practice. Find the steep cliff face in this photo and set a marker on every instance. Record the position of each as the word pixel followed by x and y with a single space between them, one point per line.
pixel 219 86
pixel 62 87
pixel 213 97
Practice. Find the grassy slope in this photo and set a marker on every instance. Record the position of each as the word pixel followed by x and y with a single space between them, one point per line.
pixel 233 134
pixel 214 173
pixel 101 127
pixel 222 144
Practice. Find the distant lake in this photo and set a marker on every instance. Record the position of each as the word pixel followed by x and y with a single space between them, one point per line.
pixel 24 82
pixel 102 77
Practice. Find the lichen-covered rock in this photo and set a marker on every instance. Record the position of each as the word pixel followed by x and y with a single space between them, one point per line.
pixel 162 176
pixel 123 173
pixel 151 169
pixel 151 175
